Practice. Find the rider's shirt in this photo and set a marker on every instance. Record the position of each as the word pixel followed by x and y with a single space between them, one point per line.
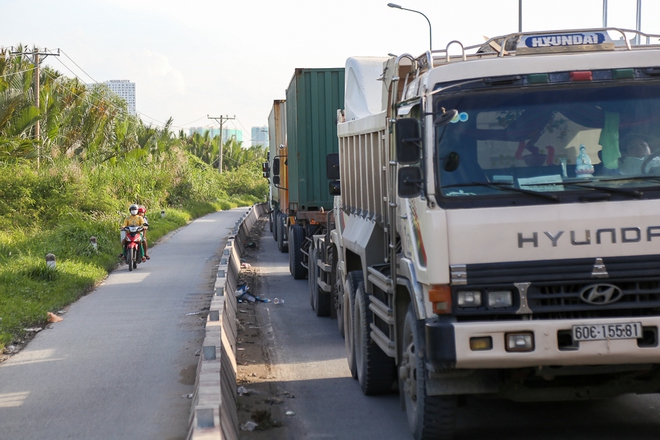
pixel 133 220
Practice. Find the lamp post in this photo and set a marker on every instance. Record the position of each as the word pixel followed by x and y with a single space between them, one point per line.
pixel 395 6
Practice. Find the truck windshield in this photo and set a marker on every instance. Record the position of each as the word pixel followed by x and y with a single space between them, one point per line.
pixel 551 142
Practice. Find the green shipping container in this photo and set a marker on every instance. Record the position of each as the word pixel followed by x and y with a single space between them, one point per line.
pixel 312 101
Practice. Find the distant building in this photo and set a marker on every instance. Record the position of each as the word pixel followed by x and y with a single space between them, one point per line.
pixel 259 136
pixel 227 133
pixel 213 132
pixel 125 90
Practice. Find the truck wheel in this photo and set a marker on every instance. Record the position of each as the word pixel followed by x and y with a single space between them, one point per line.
pixel 353 280
pixel 296 238
pixel 320 298
pixel 311 279
pixel 429 417
pixel 375 370
pixel 281 226
pixel 338 294
pixel 272 219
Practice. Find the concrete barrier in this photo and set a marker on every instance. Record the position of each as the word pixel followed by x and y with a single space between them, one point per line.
pixel 213 410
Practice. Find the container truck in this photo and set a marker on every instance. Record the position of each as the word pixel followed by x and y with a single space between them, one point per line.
pixel 312 100
pixel 495 233
pixel 276 171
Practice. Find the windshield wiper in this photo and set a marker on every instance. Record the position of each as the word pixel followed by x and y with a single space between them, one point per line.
pixel 607 189
pixel 629 192
pixel 508 187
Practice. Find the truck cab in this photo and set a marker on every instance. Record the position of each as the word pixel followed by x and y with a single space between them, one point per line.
pixel 500 223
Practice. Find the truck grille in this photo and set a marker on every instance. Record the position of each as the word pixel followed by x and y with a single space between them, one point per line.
pixel 560 301
pixel 555 288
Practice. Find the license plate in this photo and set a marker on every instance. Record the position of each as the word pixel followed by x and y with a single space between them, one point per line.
pixel 596 332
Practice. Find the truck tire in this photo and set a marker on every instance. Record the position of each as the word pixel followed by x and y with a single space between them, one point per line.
pixel 281 226
pixel 320 299
pixel 338 298
pixel 353 280
pixel 429 417
pixel 273 224
pixel 311 280
pixel 296 239
pixel 375 369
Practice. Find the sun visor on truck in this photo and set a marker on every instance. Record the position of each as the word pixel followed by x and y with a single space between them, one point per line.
pixel 564 42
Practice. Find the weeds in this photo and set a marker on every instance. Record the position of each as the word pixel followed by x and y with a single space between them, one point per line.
pixel 58 209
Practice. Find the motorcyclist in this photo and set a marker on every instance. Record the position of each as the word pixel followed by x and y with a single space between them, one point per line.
pixel 142 211
pixel 133 220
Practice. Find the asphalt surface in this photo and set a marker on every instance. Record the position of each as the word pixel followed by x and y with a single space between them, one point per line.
pixel 121 364
pixel 309 363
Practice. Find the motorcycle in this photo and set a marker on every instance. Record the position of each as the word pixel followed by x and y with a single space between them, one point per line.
pixel 133 250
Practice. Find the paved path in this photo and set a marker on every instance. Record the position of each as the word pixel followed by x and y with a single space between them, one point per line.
pixel 309 362
pixel 121 363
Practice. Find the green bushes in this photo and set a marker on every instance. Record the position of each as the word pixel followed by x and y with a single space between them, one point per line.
pixel 58 208
pixel 92 160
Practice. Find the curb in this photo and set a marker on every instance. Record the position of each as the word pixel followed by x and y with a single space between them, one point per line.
pixel 213 411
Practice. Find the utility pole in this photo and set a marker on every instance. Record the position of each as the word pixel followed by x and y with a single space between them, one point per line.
pixel 36 60
pixel 221 120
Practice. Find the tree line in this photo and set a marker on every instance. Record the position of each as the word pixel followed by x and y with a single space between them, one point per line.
pixel 86 123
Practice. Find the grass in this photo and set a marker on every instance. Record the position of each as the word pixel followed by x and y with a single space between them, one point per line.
pixel 60 208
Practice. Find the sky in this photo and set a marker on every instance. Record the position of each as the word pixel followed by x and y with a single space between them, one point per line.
pixel 191 59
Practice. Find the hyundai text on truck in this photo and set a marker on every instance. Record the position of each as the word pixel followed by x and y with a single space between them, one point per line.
pixel 493 232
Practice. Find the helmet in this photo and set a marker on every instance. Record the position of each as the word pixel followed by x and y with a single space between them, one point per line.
pixel 142 210
pixel 133 209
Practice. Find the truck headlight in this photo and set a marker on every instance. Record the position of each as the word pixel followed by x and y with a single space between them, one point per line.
pixel 500 299
pixel 469 299
pixel 523 341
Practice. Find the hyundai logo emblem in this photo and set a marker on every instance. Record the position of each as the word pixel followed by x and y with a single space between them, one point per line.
pixel 601 294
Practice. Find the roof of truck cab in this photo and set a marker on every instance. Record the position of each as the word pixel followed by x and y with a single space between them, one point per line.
pixel 491 65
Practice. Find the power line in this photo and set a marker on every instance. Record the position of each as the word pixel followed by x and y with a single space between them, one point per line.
pixel 83 70
pixel 160 123
pixel 16 73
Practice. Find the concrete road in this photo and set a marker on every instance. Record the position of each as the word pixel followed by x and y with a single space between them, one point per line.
pixel 121 363
pixel 309 362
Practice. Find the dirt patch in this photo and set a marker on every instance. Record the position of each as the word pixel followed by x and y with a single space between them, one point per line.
pixel 259 400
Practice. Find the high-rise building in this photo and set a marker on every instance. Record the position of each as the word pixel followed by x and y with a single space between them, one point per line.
pixel 125 90
pixel 259 136
pixel 213 132
pixel 227 133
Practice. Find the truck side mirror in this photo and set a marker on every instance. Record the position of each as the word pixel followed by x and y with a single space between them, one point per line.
pixel 332 166
pixel 408 141
pixel 276 180
pixel 410 182
pixel 334 188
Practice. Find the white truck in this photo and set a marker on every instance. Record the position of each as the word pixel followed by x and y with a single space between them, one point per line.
pixel 495 234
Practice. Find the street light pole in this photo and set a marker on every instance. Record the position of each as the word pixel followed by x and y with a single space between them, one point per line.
pixel 395 6
pixel 638 21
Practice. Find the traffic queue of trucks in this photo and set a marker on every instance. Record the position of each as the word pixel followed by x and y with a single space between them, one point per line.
pixel 494 231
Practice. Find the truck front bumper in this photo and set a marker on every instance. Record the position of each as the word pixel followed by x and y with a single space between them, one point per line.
pixel 448 344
